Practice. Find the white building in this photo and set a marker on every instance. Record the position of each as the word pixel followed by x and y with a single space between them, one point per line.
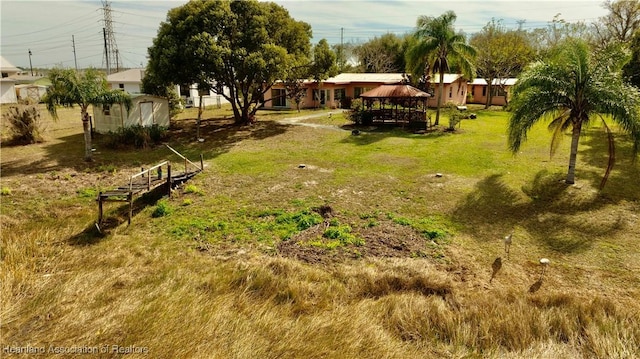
pixel 131 82
pixel 7 84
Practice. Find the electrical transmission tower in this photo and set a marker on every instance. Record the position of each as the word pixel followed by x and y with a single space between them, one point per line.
pixel 110 47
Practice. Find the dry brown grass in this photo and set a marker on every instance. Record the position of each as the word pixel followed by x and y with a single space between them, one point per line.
pixel 225 295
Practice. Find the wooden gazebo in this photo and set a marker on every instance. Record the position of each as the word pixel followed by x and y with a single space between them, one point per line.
pixel 396 104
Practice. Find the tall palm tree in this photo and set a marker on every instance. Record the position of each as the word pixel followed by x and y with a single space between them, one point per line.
pixel 70 88
pixel 571 89
pixel 435 45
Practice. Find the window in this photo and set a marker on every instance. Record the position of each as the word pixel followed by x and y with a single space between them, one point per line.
pixel 339 94
pixel 499 91
pixel 484 91
pixel 357 91
pixel 121 86
pixel 321 96
pixel 450 91
pixel 279 97
pixel 106 110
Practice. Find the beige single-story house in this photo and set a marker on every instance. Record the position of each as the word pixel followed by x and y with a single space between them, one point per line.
pixel 146 110
pixel 501 91
pixel 455 90
pixel 350 85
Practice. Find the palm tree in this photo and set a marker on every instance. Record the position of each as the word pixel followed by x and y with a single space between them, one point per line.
pixel 570 89
pixel 70 88
pixel 434 45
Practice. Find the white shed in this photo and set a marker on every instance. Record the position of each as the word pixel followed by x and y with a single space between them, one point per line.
pixel 146 110
pixel 8 91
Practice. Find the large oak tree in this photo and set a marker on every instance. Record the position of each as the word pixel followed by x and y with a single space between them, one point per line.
pixel 245 46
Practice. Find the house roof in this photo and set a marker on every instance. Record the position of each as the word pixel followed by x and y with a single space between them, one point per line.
pixel 130 76
pixel 394 91
pixel 6 66
pixel 387 78
pixel 505 82
pixel 448 78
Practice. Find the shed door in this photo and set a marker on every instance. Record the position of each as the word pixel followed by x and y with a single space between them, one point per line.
pixel 146 114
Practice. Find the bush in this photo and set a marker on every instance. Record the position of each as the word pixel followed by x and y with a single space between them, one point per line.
pixel 136 136
pixel 162 209
pixel 25 124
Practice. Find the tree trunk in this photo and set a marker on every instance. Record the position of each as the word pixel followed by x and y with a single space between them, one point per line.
pixel 88 154
pixel 200 108
pixel 575 138
pixel 489 92
pixel 440 90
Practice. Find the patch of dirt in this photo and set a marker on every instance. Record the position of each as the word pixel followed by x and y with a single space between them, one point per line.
pixel 386 240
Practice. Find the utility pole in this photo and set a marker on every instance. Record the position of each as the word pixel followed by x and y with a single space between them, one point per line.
pixel 106 50
pixel 30 65
pixel 111 49
pixel 75 59
pixel 341 49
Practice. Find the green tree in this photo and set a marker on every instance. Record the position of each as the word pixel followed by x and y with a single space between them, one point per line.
pixel 501 54
pixel 383 54
pixel 571 89
pixel 70 88
pixel 434 46
pixel 294 83
pixel 323 65
pixel 245 46
pixel 632 69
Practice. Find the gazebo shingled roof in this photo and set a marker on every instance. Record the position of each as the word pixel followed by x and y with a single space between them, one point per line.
pixel 395 91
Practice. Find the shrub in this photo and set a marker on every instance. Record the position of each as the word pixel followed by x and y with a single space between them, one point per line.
pixel 162 209
pixel 6 191
pixel 25 124
pixel 136 136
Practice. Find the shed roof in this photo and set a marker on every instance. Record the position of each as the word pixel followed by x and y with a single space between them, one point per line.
pixel 395 91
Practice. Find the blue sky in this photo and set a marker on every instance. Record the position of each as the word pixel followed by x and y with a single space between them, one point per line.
pixel 46 27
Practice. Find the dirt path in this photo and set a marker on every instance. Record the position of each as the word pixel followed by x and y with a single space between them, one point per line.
pixel 298 121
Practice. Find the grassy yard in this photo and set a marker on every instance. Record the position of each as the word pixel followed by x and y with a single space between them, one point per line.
pixel 310 242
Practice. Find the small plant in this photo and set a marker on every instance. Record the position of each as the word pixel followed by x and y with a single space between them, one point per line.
pixel 87 193
pixel 162 209
pixel 191 188
pixel 187 202
pixel 342 233
pixel 25 124
pixel 6 191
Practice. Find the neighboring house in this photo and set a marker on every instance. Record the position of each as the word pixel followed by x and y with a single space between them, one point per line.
pixel 350 85
pixel 7 84
pixel 331 91
pixel 128 80
pixel 146 110
pixel 455 90
pixel 501 91
pixel 131 82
